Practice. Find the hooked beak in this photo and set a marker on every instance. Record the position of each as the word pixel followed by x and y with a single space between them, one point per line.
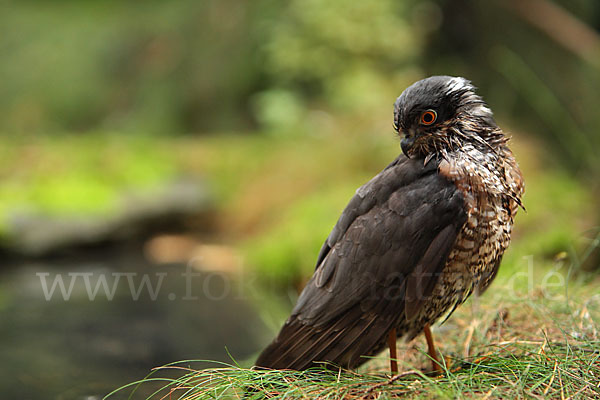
pixel 407 141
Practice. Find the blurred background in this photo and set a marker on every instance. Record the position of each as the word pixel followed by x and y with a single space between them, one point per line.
pixel 169 170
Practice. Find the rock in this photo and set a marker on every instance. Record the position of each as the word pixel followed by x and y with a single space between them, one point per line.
pixel 140 213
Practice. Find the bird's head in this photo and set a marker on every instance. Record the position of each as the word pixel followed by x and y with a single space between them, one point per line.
pixel 443 113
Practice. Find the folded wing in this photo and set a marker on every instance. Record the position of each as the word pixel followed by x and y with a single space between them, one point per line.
pixel 379 263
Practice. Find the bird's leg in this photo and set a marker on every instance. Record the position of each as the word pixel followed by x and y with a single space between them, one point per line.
pixel 435 361
pixel 393 353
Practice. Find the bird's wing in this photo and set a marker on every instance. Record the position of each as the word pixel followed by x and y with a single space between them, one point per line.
pixel 377 265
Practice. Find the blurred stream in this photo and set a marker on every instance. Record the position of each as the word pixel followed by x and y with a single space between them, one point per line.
pixel 67 343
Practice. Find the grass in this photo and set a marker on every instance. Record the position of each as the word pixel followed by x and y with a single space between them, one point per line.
pixel 510 343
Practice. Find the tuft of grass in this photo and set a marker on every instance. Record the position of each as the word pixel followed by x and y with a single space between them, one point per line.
pixel 510 344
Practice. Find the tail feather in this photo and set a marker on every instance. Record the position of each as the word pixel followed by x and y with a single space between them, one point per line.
pixel 342 342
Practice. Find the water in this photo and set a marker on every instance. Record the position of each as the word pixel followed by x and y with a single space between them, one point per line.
pixel 56 345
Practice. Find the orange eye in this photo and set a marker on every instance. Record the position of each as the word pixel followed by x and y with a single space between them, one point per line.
pixel 428 117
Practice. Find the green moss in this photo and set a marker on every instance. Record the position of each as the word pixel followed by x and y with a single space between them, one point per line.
pixel 70 174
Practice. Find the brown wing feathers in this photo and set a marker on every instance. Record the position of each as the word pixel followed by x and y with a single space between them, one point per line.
pixel 405 218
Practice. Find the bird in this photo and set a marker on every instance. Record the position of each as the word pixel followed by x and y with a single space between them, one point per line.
pixel 415 241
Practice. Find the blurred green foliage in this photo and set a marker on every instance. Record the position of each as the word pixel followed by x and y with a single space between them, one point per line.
pixel 187 66
pixel 348 56
pixel 146 67
pixel 276 203
pixel 222 65
pixel 81 175
pixel 284 109
pixel 547 81
pixel 294 78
